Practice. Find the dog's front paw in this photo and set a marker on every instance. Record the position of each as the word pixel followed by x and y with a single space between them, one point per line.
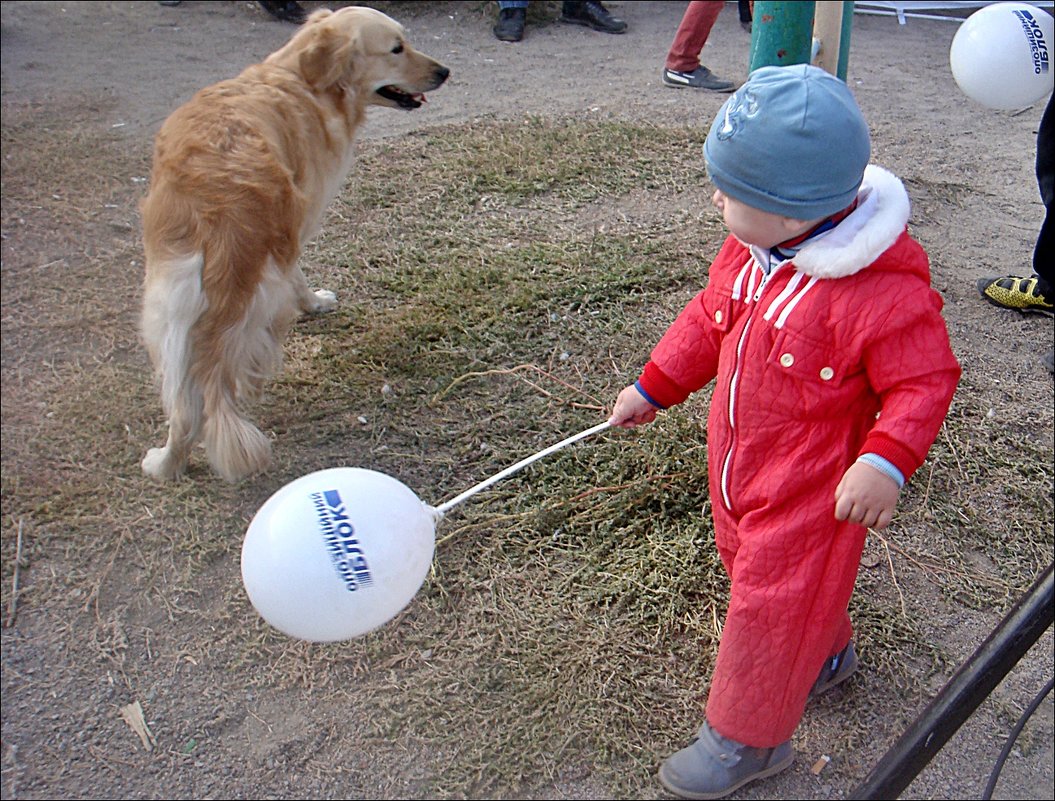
pixel 159 465
pixel 324 301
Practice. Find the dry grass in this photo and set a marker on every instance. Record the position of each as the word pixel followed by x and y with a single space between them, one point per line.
pixel 495 294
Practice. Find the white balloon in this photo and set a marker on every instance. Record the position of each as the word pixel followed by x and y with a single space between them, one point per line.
pixel 1001 55
pixel 337 553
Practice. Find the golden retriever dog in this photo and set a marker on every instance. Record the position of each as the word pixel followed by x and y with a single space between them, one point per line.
pixel 242 175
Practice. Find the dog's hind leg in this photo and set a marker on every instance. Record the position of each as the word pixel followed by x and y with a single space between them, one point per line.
pixel 317 302
pixel 172 304
pixel 185 428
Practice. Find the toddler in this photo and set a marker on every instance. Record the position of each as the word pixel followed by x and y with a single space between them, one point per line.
pixel 833 373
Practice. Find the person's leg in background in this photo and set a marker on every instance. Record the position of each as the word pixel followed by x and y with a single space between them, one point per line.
pixel 746 9
pixel 511 17
pixel 285 10
pixel 683 67
pixel 1034 294
pixel 1044 251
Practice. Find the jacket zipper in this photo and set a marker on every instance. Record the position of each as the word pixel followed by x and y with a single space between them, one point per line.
pixel 734 381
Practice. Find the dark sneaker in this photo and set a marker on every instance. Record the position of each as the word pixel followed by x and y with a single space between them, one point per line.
pixel 510 25
pixel 286 11
pixel 592 15
pixel 1014 292
pixel 714 766
pixel 836 670
pixel 699 78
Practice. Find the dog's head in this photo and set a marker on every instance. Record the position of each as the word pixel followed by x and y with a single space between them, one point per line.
pixel 363 51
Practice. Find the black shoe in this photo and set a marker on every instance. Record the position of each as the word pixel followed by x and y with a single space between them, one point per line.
pixel 510 25
pixel 699 78
pixel 288 11
pixel 593 15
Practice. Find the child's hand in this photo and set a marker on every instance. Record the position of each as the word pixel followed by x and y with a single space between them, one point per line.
pixel 631 409
pixel 866 496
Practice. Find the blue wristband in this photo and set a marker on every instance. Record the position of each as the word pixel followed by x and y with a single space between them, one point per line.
pixel 646 396
pixel 884 466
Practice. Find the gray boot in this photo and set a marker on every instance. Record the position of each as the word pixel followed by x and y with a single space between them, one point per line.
pixel 714 766
pixel 836 670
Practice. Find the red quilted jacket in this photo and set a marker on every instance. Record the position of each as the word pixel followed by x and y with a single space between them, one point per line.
pixel 839 352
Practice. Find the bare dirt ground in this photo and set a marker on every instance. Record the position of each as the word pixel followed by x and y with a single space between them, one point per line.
pixel 120 68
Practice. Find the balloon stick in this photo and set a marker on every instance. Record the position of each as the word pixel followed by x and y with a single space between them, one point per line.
pixel 443 508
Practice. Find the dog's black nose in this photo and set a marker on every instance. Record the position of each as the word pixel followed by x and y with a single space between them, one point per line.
pixel 442 73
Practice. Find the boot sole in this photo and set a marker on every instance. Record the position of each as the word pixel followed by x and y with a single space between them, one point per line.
pixel 699 88
pixel 1023 309
pixel 681 792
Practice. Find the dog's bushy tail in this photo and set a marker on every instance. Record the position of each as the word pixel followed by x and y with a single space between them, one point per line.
pixel 235 447
pixel 238 345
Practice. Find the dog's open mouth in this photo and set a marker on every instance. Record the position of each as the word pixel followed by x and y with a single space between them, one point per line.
pixel 400 98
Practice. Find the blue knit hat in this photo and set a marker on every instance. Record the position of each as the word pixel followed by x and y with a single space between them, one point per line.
pixel 791 141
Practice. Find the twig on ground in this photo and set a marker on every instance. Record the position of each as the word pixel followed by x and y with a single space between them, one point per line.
pixel 12 604
pixel 518 369
pixel 955 453
pixel 617 488
pixel 893 574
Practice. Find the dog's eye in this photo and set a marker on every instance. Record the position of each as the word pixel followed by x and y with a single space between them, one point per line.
pixel 398 48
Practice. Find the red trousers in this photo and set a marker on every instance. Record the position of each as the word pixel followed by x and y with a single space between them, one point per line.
pixel 793 568
pixel 695 27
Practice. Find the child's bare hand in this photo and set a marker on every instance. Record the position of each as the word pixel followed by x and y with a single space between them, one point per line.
pixel 866 496
pixel 631 409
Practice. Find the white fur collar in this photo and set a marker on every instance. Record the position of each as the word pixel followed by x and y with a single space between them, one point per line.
pixel 879 219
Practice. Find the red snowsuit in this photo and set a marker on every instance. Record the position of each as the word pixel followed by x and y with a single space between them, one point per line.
pixel 805 361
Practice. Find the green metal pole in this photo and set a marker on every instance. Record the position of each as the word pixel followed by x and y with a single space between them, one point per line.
pixel 844 39
pixel 781 34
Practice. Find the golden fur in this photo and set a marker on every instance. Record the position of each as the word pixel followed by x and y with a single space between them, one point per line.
pixel 242 175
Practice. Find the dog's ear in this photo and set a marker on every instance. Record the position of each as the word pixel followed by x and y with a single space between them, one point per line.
pixel 317 16
pixel 327 56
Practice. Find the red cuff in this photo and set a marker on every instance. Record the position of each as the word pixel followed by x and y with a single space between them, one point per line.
pixel 660 388
pixel 894 452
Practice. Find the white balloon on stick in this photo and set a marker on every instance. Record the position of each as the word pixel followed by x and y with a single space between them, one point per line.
pixel 1001 55
pixel 339 552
